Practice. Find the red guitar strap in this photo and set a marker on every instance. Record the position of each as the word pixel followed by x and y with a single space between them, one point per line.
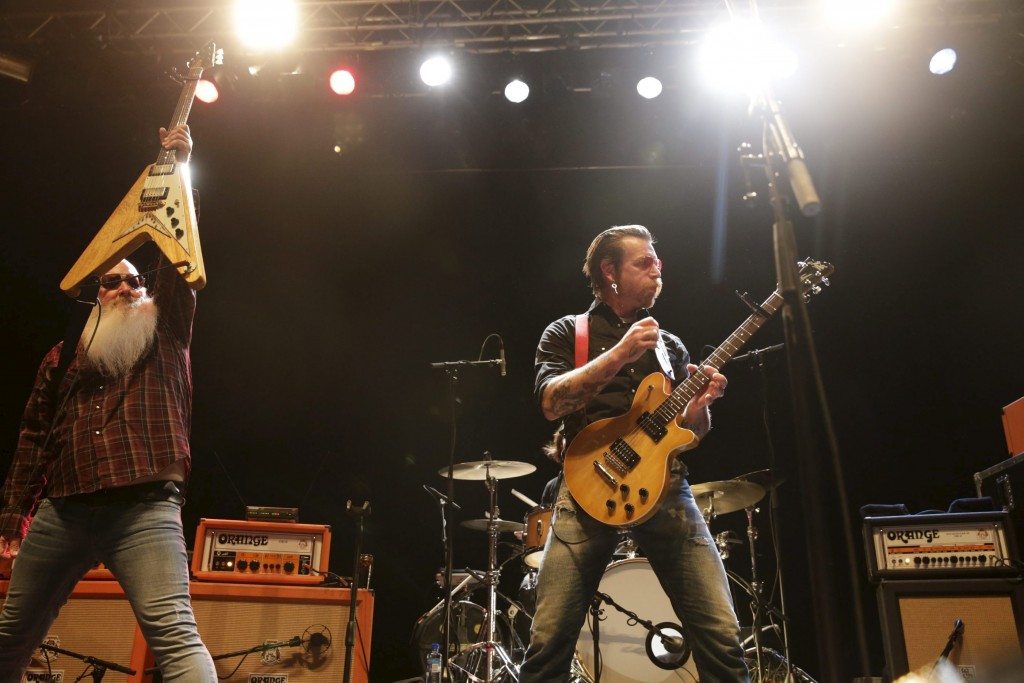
pixel 582 339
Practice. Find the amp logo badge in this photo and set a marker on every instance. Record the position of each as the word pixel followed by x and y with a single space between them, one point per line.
pixel 268 678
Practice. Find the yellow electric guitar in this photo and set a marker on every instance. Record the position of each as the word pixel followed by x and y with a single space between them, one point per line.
pixel 617 469
pixel 159 206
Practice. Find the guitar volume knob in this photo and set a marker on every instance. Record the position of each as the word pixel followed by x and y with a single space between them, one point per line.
pixel 644 493
pixel 624 489
pixel 628 507
pixel 610 504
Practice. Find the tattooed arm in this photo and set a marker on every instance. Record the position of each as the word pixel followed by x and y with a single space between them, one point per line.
pixel 570 391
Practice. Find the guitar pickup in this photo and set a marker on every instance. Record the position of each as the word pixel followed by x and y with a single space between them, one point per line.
pixel 153 194
pixel 162 169
pixel 606 475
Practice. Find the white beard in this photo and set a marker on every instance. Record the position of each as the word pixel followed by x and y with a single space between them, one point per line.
pixel 125 333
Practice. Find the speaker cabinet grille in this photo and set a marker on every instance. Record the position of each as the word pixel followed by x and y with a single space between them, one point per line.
pixel 918 616
pixel 97 621
pixel 234 617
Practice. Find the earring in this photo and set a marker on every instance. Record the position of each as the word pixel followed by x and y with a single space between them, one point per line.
pixel 615 288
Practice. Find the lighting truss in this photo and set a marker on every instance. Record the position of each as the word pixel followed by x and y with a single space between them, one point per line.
pixel 164 26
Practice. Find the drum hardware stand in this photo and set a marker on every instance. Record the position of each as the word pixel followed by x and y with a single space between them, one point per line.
pixel 99 666
pixel 360 513
pixel 491 578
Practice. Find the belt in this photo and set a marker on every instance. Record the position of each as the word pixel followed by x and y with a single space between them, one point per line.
pixel 149 491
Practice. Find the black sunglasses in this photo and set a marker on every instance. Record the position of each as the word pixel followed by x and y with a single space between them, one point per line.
pixel 114 281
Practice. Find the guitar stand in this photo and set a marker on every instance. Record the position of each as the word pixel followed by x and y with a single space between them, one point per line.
pixel 99 666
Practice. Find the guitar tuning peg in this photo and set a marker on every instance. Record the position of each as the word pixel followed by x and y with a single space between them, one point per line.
pixel 218 58
pixel 815 289
pixel 825 281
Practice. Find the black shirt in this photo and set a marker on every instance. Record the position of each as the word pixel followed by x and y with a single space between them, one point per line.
pixel 556 355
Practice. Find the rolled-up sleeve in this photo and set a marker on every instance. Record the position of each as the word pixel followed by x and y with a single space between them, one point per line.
pixel 555 354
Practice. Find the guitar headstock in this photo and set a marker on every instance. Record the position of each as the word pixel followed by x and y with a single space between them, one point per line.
pixel 207 58
pixel 813 276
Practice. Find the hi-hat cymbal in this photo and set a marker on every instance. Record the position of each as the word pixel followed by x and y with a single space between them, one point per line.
pixel 498 469
pixel 503 525
pixel 764 478
pixel 727 496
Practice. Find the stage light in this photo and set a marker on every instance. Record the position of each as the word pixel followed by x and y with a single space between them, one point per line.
pixel 857 14
pixel 436 71
pixel 206 91
pixel 266 24
pixel 943 61
pixel 343 82
pixel 516 91
pixel 13 67
pixel 648 87
pixel 741 57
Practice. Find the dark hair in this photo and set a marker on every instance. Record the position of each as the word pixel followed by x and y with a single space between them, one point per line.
pixel 607 247
pixel 555 449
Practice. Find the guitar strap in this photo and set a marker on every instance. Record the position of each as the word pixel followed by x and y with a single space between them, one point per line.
pixel 583 347
pixel 582 339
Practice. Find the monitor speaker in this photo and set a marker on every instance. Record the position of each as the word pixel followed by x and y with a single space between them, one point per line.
pixel 918 618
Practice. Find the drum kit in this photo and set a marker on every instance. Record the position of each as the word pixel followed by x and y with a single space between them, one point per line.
pixel 639 640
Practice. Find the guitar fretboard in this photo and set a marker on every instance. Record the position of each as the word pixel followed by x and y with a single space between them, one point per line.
pixel 181 111
pixel 695 383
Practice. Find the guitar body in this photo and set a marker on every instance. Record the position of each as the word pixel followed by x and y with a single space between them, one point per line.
pixel 590 466
pixel 159 207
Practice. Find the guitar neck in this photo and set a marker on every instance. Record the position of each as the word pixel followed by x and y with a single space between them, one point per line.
pixel 181 111
pixel 695 383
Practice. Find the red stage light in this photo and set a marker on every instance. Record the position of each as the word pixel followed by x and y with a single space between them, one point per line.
pixel 343 82
pixel 206 91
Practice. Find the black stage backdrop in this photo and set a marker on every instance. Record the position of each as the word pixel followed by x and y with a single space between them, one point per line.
pixel 336 277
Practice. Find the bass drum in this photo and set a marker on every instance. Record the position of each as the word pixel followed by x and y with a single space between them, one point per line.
pixel 624 653
pixel 468 629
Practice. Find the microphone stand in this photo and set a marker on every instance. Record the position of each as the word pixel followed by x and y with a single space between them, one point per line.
pixel 759 358
pixel 295 641
pixel 360 513
pixel 781 149
pixel 99 666
pixel 451 369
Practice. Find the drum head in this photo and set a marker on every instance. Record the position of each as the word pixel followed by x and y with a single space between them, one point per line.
pixel 633 585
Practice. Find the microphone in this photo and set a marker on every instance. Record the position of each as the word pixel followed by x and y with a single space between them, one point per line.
pixel 316 641
pixel 674 644
pixel 441 497
pixel 501 359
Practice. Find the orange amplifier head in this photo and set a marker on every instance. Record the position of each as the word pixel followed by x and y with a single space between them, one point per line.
pixel 260 552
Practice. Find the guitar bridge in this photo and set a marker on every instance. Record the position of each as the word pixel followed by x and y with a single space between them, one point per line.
pixel 606 475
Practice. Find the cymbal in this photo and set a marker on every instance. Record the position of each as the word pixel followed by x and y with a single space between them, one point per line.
pixel 727 496
pixel 503 525
pixel 499 469
pixel 764 478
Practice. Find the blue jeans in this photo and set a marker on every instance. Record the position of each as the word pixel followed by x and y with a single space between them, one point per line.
pixel 142 544
pixel 682 554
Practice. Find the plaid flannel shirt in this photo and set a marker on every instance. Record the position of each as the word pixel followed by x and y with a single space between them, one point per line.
pixel 111 431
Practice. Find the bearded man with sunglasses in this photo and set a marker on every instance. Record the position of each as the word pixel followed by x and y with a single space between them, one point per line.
pixel 623 345
pixel 107 451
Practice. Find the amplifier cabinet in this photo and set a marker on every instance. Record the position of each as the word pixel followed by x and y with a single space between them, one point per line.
pixel 97 621
pixel 234 616
pixel 918 616
pixel 261 552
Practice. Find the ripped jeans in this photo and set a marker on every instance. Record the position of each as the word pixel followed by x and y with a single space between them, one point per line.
pixel 682 553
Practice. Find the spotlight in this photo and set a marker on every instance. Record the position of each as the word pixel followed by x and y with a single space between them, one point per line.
pixel 943 61
pixel 343 82
pixel 206 91
pixel 741 56
pixel 516 91
pixel 266 24
pixel 648 87
pixel 436 71
pixel 857 14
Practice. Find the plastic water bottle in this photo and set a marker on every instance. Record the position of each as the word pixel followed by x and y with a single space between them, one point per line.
pixel 433 674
